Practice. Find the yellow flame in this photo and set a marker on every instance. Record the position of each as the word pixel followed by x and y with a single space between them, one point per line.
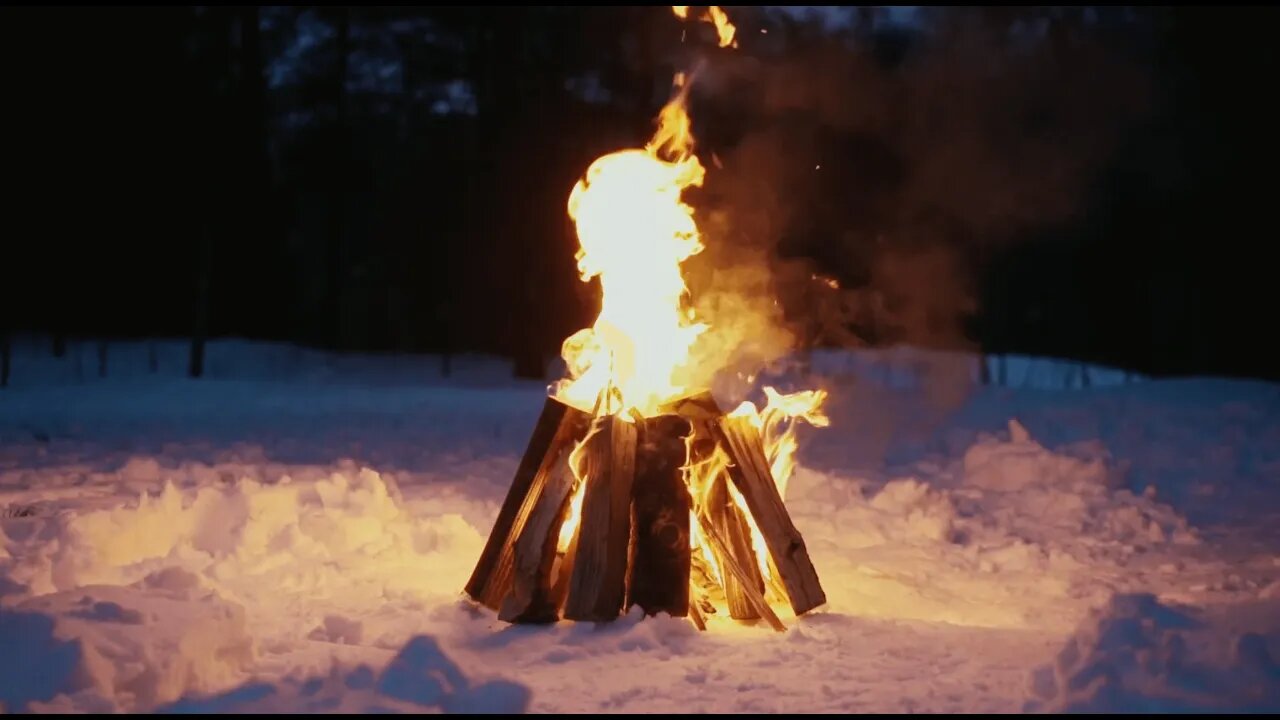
pixel 829 282
pixel 714 15
pixel 577 466
pixel 699 544
pixel 724 28
pixel 634 231
pixel 777 427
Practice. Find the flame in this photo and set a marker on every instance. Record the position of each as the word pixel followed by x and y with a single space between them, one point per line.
pixel 714 15
pixel 829 282
pixel 577 466
pixel 634 232
pixel 777 425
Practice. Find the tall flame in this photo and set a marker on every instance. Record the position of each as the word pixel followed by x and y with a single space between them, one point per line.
pixel 634 230
pixel 777 426
pixel 714 15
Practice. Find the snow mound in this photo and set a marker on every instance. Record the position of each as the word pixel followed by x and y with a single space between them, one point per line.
pixel 1043 496
pixel 420 678
pixel 992 539
pixel 113 649
pixel 142 602
pixel 1139 655
pixel 315 535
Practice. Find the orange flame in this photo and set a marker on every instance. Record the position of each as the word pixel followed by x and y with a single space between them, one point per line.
pixel 777 426
pixel 634 232
pixel 714 15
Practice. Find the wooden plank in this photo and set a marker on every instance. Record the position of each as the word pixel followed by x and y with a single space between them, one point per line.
pixel 698 406
pixel 597 583
pixel 731 525
pixel 751 475
pixel 731 567
pixel 696 615
pixel 558 427
pixel 658 580
pixel 531 599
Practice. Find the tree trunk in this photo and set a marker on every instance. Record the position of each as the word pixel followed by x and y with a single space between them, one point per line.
pixel 102 358
pixel 6 352
pixel 201 330
pixel 338 181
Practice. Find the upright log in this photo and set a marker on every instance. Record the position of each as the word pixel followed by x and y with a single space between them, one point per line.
pixel 531 599
pixel 731 567
pixel 658 580
pixel 750 473
pixel 732 527
pixel 597 584
pixel 557 428
pixel 699 406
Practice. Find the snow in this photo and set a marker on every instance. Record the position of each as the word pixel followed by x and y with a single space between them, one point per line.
pixel 292 534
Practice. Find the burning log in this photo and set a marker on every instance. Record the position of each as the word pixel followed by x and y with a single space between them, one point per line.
pixel 750 473
pixel 659 577
pixel 632 539
pixel 731 526
pixel 653 497
pixel 557 428
pixel 531 598
pixel 731 567
pixel 597 585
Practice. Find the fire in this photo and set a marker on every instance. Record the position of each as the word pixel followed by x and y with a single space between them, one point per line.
pixel 777 424
pixel 714 15
pixel 635 230
pixel 577 466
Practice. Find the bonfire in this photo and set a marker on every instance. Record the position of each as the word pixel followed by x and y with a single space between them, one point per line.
pixel 636 489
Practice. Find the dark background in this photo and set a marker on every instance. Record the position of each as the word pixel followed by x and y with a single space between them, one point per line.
pixel 1091 183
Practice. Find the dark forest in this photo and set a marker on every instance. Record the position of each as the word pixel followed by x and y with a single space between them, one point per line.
pixel 1089 183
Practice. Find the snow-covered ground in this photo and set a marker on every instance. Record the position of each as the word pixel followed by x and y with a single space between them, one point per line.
pixel 292 533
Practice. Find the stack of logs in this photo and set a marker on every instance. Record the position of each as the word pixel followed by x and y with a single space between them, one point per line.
pixel 631 545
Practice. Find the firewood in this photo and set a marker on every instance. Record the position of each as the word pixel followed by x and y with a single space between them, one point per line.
pixel 696 615
pixel 531 598
pixel 699 406
pixel 597 584
pixel 731 567
pixel 557 429
pixel 732 527
pixel 751 475
pixel 659 570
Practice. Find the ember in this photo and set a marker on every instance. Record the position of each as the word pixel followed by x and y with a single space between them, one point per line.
pixel 636 489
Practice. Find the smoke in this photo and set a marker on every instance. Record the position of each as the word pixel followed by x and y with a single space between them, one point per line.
pixel 862 180
pixel 746 330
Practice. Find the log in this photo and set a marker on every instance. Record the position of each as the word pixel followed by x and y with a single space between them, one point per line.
pixel 658 580
pixel 732 527
pixel 597 583
pixel 558 427
pixel 751 475
pixel 696 615
pixel 699 406
pixel 731 567
pixel 531 599
pixel 706 589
